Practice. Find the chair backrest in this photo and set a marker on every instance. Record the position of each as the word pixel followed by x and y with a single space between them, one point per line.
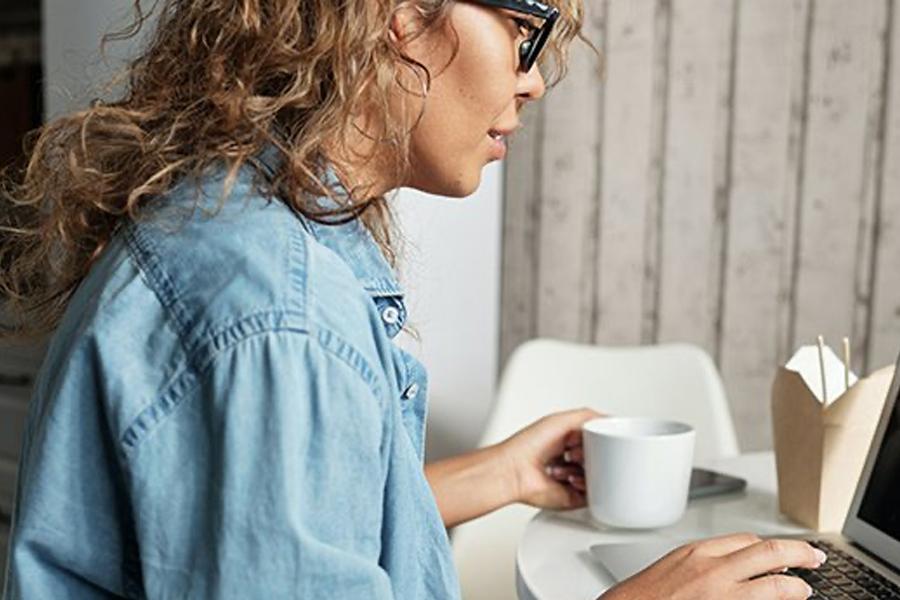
pixel 676 381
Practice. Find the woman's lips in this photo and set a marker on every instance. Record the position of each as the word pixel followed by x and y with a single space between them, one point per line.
pixel 498 146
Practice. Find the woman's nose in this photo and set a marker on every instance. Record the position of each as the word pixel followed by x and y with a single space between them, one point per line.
pixel 531 84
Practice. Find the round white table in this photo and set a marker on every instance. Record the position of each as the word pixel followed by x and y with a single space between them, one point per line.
pixel 554 561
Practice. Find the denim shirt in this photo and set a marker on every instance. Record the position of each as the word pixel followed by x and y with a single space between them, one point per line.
pixel 223 413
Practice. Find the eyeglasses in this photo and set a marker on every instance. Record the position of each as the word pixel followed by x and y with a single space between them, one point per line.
pixel 530 48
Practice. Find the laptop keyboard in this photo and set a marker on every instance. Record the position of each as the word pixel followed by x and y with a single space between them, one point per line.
pixel 842 577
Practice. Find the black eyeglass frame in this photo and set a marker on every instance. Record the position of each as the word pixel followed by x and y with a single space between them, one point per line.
pixel 530 48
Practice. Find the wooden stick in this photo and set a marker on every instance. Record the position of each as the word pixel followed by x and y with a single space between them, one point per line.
pixel 846 364
pixel 821 341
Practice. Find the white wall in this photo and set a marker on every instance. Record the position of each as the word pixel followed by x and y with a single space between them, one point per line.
pixel 450 269
pixel 452 265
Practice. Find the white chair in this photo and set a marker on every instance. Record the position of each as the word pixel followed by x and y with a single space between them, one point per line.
pixel 677 381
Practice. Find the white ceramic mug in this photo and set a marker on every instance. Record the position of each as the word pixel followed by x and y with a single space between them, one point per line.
pixel 638 470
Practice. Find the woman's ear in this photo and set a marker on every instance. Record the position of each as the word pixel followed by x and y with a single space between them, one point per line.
pixel 402 25
pixel 395 30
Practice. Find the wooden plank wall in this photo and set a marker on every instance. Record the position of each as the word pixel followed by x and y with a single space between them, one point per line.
pixel 731 179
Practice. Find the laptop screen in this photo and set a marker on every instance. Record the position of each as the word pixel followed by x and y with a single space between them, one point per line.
pixel 880 505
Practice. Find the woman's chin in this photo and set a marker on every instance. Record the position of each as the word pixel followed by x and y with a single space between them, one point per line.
pixel 469 181
pixel 459 185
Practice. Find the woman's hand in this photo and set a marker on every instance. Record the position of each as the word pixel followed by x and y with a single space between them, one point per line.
pixel 540 465
pixel 737 567
pixel 547 460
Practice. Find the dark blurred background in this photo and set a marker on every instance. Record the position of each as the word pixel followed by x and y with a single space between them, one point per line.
pixel 21 104
pixel 21 109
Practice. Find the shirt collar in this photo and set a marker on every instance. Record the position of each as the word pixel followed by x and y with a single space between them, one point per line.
pixel 351 241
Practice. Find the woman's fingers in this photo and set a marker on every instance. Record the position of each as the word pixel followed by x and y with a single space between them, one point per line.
pixel 573 475
pixel 578 483
pixel 574 455
pixel 726 544
pixel 566 493
pixel 777 586
pixel 576 497
pixel 563 472
pixel 772 555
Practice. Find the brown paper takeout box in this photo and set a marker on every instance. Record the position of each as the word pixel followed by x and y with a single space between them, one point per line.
pixel 820 447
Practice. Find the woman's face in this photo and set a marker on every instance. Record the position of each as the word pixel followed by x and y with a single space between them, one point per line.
pixel 479 94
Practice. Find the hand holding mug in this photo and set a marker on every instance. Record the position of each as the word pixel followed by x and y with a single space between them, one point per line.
pixel 547 460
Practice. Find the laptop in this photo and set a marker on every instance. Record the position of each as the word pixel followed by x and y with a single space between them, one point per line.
pixel 863 560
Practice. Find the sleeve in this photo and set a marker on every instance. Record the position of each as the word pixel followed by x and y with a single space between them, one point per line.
pixel 267 479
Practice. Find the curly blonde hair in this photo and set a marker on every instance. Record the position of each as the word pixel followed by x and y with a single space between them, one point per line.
pixel 219 81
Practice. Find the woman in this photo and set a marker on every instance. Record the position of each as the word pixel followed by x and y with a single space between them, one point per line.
pixel 222 411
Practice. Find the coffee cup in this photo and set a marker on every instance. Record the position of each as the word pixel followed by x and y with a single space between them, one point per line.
pixel 638 470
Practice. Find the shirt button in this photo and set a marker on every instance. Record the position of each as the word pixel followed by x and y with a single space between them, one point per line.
pixel 411 392
pixel 391 315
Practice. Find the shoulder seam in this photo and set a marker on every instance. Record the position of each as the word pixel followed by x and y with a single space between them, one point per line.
pixel 140 249
pixel 298 269
pixel 192 340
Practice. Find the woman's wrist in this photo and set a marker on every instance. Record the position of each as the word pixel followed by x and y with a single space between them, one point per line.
pixel 510 471
pixel 499 467
pixel 473 484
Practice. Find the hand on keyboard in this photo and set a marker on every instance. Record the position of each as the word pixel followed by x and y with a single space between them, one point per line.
pixel 737 567
pixel 845 578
